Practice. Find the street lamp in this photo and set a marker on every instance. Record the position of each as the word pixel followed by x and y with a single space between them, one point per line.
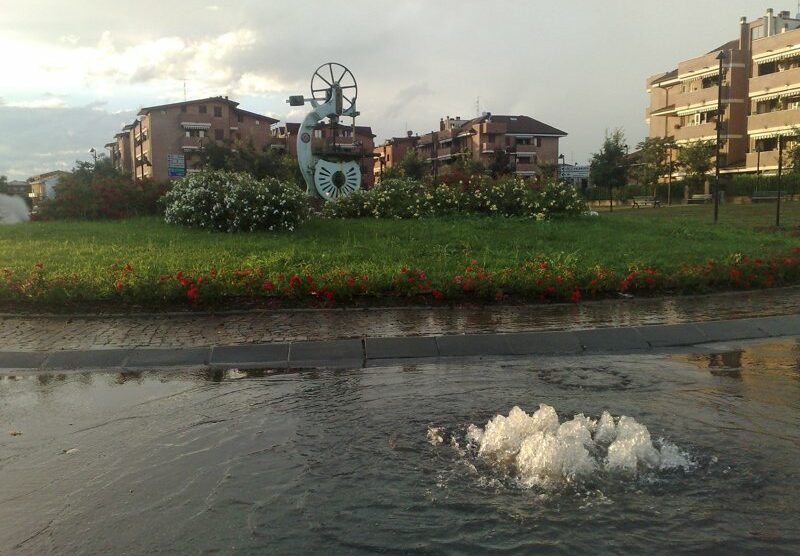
pixel 721 57
pixel 561 158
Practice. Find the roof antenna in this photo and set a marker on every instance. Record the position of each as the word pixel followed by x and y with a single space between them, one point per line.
pixel 184 89
pixel 477 107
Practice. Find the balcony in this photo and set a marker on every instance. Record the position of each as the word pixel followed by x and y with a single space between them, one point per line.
pixel 491 147
pixel 526 168
pixel 699 98
pixel 695 132
pixel 701 64
pixel 775 82
pixel 776 43
pixel 782 119
pixel 769 159
pixel 525 148
pixel 192 143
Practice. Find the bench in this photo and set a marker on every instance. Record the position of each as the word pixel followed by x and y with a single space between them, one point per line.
pixel 700 198
pixel 645 200
pixel 764 196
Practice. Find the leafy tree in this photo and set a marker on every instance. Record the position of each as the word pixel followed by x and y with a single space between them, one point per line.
pixel 412 166
pixel 653 160
pixel 244 157
pixel 696 159
pixel 791 151
pixel 608 168
pixel 500 164
pixel 3 184
pixel 547 171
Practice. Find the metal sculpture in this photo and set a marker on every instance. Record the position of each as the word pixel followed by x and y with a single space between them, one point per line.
pixel 329 171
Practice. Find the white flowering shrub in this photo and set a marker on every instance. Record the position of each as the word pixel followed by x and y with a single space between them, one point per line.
pixel 232 202
pixel 559 198
pixel 507 196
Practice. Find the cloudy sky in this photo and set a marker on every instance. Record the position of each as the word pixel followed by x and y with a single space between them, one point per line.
pixel 74 72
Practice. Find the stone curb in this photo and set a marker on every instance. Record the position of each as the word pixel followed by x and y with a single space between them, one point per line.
pixel 359 353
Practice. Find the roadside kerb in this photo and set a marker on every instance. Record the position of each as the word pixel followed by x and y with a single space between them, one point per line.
pixel 358 353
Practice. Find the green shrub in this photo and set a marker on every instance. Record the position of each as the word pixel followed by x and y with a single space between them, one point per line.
pixel 232 202
pixel 94 192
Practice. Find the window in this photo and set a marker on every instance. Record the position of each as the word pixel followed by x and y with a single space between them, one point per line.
pixel 239 118
pixel 183 108
pixel 219 134
pixel 203 109
pixel 218 111
pixel 317 134
pixel 195 133
pixel 258 122
pixel 538 141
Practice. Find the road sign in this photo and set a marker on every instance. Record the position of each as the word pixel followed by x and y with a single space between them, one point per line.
pixel 176 165
pixel 574 172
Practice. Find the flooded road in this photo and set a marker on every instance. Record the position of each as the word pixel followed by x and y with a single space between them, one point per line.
pixel 345 461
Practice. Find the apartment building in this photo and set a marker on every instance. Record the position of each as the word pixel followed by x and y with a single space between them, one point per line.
pixel 528 142
pixel 354 142
pixel 43 186
pixel 161 135
pixel 760 95
pixel 391 152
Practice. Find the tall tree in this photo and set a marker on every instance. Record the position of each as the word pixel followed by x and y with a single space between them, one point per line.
pixel 413 166
pixel 696 159
pixel 653 160
pixel 608 167
pixel 3 184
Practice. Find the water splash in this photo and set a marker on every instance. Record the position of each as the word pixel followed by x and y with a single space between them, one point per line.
pixel 540 451
pixel 13 210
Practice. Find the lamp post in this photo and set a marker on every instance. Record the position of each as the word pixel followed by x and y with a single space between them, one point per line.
pixel 758 165
pixel 780 173
pixel 561 158
pixel 669 177
pixel 721 57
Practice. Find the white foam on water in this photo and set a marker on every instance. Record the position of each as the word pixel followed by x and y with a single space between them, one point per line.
pixel 13 210
pixel 541 451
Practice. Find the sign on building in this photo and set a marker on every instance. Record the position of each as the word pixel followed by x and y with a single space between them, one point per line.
pixel 176 165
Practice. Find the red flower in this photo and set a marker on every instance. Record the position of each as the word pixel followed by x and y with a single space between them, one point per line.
pixel 499 296
pixel 114 266
pixel 120 285
pixel 268 285
pixel 294 281
pixel 437 294
pixel 576 295
pixel 550 290
pixel 351 281
pixel 192 293
pixel 128 267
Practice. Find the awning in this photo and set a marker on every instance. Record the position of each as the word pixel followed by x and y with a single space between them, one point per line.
pixel 771 134
pixel 195 125
pixel 699 109
pixel 775 57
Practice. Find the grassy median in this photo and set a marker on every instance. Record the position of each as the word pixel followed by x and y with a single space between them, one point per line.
pixel 146 262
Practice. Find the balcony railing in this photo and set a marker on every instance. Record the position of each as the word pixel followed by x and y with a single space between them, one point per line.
pixel 773 120
pixel 769 159
pixel 527 168
pixel 695 132
pixel 193 143
pixel 775 82
pixel 702 97
pixel 525 148
pixel 492 147
pixel 776 42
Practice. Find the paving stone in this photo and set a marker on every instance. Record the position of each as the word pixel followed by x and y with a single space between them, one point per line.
pixel 400 348
pixel 780 326
pixel 336 350
pixel 723 330
pixel 88 359
pixel 259 353
pixel 21 359
pixel 544 343
pixel 168 357
pixel 473 345
pixel 612 339
pixel 668 335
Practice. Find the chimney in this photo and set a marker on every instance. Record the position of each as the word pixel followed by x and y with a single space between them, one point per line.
pixel 769 23
pixel 744 34
pixel 409 133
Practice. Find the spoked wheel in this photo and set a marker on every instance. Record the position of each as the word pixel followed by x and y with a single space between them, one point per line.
pixel 330 74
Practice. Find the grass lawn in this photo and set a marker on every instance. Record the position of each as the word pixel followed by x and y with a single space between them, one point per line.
pixel 51 262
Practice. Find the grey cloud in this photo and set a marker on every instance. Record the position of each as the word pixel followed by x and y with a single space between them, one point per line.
pixel 46 139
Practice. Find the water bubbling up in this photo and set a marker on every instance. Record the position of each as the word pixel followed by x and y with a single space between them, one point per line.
pixel 543 452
